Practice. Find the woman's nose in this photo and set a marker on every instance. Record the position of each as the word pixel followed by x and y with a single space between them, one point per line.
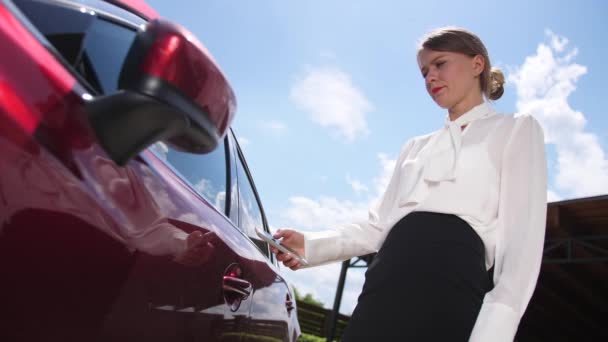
pixel 431 76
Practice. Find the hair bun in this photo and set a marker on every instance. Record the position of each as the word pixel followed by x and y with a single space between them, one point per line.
pixel 497 81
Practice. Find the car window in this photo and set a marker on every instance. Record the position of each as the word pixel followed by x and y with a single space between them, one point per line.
pixel 250 212
pixel 93 47
pixel 206 173
pixel 234 192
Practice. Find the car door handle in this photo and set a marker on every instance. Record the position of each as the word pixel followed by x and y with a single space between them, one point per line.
pixel 289 305
pixel 237 286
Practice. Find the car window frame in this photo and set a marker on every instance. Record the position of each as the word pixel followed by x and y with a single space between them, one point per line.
pixel 239 155
pixel 233 215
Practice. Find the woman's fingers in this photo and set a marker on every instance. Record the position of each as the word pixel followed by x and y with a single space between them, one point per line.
pixel 284 257
pixel 281 233
pixel 292 263
pixel 288 261
pixel 292 239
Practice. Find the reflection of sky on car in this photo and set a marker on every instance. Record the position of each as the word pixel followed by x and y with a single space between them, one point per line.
pixel 234 196
pixel 199 170
pixel 217 310
pixel 190 211
pixel 250 216
pixel 213 195
pixel 250 219
pixel 37 174
pixel 161 150
pixel 266 305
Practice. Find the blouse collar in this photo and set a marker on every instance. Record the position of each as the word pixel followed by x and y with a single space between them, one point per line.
pixel 437 171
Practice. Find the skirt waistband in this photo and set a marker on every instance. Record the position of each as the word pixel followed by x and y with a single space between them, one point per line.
pixel 432 227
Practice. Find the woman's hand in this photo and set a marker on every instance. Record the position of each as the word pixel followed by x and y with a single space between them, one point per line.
pixel 292 239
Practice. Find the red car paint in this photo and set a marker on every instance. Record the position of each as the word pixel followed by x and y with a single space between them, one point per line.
pixel 72 266
pixel 172 52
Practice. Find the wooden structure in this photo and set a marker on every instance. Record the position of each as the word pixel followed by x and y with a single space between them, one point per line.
pixel 317 321
pixel 570 302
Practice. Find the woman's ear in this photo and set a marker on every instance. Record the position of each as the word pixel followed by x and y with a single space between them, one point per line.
pixel 478 64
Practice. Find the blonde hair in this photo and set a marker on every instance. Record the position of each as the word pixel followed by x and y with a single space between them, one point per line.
pixel 456 39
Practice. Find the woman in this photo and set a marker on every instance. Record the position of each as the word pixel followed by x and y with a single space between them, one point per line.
pixel 462 199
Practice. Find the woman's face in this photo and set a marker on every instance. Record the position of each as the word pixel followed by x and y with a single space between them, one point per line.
pixel 452 79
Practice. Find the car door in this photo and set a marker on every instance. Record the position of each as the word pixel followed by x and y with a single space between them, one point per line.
pixel 273 313
pixel 62 258
pixel 215 297
pixel 87 248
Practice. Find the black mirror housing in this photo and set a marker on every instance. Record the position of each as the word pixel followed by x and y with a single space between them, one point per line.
pixel 171 89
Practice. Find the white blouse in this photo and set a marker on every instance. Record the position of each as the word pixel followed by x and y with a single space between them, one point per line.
pixel 492 174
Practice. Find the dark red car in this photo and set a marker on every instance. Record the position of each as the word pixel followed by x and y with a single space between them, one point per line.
pixel 127 211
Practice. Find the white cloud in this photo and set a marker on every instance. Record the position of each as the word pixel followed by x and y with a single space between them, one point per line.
pixel 544 82
pixel 557 43
pixel 326 212
pixel 388 166
pixel 333 101
pixel 357 186
pixel 275 127
pixel 323 213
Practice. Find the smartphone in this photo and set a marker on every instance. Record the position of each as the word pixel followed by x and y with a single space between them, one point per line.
pixel 278 245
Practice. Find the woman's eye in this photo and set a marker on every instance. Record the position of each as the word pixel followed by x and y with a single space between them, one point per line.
pixel 439 64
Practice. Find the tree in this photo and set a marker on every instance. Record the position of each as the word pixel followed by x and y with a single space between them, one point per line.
pixel 308 298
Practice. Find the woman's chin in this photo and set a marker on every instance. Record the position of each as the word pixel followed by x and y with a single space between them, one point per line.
pixel 442 104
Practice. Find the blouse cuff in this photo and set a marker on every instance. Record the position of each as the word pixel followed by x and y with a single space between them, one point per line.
pixel 320 247
pixel 496 322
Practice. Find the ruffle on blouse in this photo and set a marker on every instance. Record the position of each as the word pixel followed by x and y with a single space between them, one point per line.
pixel 438 160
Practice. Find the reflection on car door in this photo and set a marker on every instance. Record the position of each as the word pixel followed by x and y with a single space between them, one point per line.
pixel 191 191
pixel 63 257
pixel 272 312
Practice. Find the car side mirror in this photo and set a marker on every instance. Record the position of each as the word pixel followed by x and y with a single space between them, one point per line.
pixel 170 89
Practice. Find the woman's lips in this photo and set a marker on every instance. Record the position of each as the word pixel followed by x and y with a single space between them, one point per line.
pixel 436 90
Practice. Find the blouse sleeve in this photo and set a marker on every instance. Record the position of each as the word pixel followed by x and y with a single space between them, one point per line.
pixel 520 233
pixel 358 238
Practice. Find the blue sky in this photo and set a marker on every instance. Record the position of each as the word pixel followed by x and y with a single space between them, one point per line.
pixel 328 91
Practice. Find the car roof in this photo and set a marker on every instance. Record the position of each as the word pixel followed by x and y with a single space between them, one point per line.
pixel 139 7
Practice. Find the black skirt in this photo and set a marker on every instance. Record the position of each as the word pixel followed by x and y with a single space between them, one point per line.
pixel 426 283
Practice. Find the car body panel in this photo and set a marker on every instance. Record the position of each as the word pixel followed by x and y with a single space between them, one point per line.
pixel 137 6
pixel 87 247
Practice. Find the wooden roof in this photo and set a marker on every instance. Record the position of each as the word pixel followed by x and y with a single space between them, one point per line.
pixel 570 302
pixel 577 217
